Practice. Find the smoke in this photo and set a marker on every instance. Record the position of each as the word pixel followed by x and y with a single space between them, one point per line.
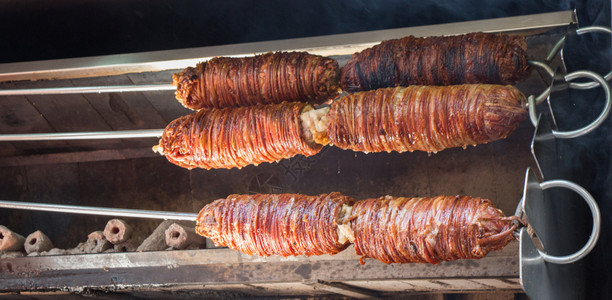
pixel 586 160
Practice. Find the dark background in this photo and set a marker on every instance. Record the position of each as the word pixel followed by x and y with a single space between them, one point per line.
pixel 36 30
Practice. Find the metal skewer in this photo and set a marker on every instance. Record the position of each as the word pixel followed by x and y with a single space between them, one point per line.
pixel 88 90
pixel 94 135
pixel 100 211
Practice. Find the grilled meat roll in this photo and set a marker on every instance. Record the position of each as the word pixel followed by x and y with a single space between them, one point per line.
pixel 428 230
pixel 262 79
pixel 285 224
pixel 425 118
pixel 237 137
pixel 469 58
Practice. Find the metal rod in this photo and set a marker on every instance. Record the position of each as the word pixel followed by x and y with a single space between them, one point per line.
pixel 339 44
pixel 100 211
pixel 94 135
pixel 88 89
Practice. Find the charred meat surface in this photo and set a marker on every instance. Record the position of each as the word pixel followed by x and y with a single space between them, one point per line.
pixel 285 224
pixel 262 79
pixel 425 118
pixel 237 137
pixel 469 58
pixel 428 230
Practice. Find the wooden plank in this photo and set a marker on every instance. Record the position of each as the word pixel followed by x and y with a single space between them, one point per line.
pixel 388 286
pixel 122 111
pixel 343 289
pixel 432 296
pixel 505 284
pixel 65 112
pixel 68 113
pixel 464 284
pixel 425 285
pixel 487 296
pixel 281 289
pixel 461 285
pixel 163 101
pixel 195 291
pixel 18 115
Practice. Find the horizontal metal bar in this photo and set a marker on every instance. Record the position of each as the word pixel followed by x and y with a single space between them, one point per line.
pixel 93 135
pixel 339 44
pixel 100 211
pixel 89 90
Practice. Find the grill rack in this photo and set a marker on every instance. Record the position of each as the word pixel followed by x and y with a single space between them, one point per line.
pixel 151 133
pixel 332 45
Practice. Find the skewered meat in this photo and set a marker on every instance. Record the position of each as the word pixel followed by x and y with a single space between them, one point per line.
pixel 262 79
pixel 390 229
pixel 286 224
pixel 425 118
pixel 428 230
pixel 237 137
pixel 469 58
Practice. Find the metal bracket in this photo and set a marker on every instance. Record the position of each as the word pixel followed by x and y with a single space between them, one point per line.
pixel 557 223
pixel 559 47
pixel 544 148
pixel 532 100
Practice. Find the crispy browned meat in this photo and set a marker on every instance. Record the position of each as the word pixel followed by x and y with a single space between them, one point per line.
pixel 236 137
pixel 286 224
pixel 428 230
pixel 262 79
pixel 389 229
pixel 469 58
pixel 425 118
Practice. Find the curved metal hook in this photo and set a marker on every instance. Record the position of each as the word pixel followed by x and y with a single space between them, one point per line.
pixel 590 244
pixel 532 101
pixel 558 48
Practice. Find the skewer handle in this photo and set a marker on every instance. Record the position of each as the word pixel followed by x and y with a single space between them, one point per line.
pixel 100 211
pixel 88 90
pixel 93 135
